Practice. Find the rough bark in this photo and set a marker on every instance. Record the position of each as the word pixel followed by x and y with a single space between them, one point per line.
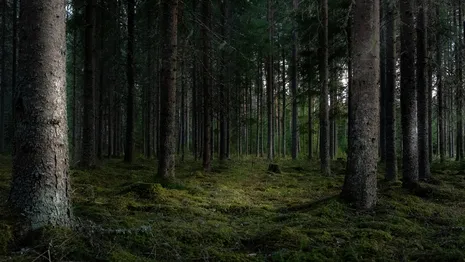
pixel 360 181
pixel 40 188
pixel 166 159
pixel 408 95
pixel 324 91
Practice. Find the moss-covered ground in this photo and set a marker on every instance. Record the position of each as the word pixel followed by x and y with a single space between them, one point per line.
pixel 240 212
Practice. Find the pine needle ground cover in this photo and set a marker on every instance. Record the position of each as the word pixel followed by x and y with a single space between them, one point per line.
pixel 241 212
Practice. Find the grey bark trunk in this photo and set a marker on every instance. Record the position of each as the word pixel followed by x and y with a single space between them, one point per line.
pixel 360 181
pixel 408 95
pixel 40 191
pixel 166 158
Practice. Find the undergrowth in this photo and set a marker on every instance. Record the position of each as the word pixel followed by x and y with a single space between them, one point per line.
pixel 241 212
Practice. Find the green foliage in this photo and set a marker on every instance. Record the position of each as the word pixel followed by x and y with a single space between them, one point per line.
pixel 240 212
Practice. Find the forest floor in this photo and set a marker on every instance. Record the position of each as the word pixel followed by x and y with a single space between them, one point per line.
pixel 240 212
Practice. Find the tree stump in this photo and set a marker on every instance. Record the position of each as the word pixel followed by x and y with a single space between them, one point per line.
pixel 274 168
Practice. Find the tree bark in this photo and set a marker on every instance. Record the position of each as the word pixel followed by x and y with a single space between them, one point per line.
pixel 207 112
pixel 324 93
pixel 166 159
pixel 408 95
pixel 294 86
pixel 40 191
pixel 360 181
pixel 390 38
pixel 130 113
pixel 440 95
pixel 422 92
pixel 88 153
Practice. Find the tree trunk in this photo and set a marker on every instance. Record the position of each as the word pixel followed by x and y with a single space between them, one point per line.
pixel 88 153
pixel 294 86
pixel 269 84
pixel 422 92
pixel 169 23
pixel 130 113
pixel 324 93
pixel 207 112
pixel 3 79
pixel 360 181
pixel 440 94
pixel 283 120
pixel 390 38
pixel 40 187
pixel 408 95
pixel 459 84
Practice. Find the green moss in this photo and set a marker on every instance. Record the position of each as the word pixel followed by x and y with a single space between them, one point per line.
pixel 242 213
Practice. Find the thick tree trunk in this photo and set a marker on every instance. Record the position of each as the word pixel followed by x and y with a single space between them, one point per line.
pixel 408 95
pixel 310 124
pixel 390 38
pixel 360 181
pixel 40 188
pixel 324 93
pixel 169 22
pixel 422 92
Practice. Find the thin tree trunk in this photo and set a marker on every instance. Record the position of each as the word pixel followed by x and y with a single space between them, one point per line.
pixel 422 92
pixel 408 95
pixel 390 38
pixel 88 153
pixel 207 114
pixel 440 94
pixel 324 112
pixel 169 22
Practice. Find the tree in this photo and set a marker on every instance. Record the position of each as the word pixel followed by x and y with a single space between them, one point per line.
pixel 41 186
pixel 130 114
pixel 440 95
pixel 294 88
pixel 408 95
pixel 422 92
pixel 169 23
pixel 324 91
pixel 269 83
pixel 390 111
pixel 207 111
pixel 360 180
pixel 88 153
